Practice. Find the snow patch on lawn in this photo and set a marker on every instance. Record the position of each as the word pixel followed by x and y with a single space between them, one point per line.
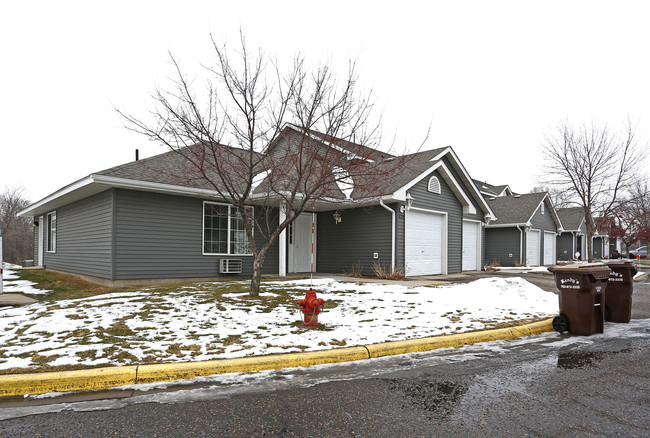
pixel 191 324
pixel 11 283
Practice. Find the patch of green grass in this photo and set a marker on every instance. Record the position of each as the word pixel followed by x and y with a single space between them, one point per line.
pixel 119 328
pixel 43 360
pixel 63 286
pixel 88 354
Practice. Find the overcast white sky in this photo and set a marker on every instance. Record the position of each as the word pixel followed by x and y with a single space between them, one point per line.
pixel 491 77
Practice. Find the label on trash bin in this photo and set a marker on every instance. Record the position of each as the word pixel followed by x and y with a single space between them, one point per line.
pixel 615 276
pixel 570 283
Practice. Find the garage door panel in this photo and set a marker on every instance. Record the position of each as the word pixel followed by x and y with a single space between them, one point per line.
pixel 423 240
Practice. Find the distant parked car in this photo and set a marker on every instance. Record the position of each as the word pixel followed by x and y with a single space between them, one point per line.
pixel 616 255
pixel 640 251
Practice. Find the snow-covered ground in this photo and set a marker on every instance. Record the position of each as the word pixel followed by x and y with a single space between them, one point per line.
pixel 189 323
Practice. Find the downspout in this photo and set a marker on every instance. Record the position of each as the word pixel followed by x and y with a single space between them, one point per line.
pixel 521 244
pixel 392 241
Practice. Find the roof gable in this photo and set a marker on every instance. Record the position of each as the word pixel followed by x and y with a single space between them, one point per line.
pixel 520 209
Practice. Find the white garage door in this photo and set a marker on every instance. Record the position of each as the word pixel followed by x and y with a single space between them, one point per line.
pixel 549 248
pixel 423 239
pixel 470 245
pixel 532 248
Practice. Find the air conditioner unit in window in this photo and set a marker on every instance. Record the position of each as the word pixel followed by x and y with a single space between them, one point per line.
pixel 230 266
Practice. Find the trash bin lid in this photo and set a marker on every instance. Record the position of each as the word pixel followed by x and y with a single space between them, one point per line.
pixel 596 269
pixel 578 266
pixel 619 264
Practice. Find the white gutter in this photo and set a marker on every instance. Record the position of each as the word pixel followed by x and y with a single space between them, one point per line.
pixel 392 241
pixel 521 245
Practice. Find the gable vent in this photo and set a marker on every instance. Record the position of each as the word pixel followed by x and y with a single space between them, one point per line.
pixel 434 185
pixel 230 266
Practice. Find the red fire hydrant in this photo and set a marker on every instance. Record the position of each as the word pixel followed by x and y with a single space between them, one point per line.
pixel 311 307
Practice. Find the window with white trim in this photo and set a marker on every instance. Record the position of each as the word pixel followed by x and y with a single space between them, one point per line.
pixel 223 229
pixel 542 209
pixel 51 232
pixel 434 185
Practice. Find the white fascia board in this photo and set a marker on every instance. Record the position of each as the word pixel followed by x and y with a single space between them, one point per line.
pixel 123 183
pixel 113 182
pixel 449 178
pixel 59 193
pixel 468 179
pixel 491 225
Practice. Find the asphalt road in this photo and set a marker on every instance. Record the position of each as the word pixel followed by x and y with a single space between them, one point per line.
pixel 547 385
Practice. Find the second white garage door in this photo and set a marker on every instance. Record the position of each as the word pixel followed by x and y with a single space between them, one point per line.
pixel 423 240
pixel 549 248
pixel 532 248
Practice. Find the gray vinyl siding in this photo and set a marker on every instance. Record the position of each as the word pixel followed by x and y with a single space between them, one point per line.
pixel 161 236
pixel 564 245
pixel 502 246
pixel 361 233
pixel 475 198
pixel 84 237
pixel 447 202
pixel 475 201
pixel 542 222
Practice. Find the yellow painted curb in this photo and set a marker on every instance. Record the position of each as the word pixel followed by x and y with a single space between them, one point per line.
pixel 189 370
pixel 105 378
pixel 63 381
pixel 457 340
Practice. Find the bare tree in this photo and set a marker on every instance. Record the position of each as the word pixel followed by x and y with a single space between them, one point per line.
pixel 594 165
pixel 631 218
pixel 16 231
pixel 279 140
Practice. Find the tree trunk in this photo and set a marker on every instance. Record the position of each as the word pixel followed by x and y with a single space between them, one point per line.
pixel 256 280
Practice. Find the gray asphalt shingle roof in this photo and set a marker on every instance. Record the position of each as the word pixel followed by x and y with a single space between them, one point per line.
pixel 490 188
pixel 571 217
pixel 373 179
pixel 515 209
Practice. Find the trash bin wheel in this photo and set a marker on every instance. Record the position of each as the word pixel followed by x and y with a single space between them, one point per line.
pixel 560 323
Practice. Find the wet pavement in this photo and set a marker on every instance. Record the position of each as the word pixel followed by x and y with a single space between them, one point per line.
pixel 546 385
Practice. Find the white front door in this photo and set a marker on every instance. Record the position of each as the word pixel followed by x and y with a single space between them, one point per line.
pixel 532 248
pixel 424 243
pixel 549 248
pixel 300 239
pixel 471 233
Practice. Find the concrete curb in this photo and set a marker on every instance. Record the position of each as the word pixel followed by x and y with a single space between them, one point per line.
pixel 106 378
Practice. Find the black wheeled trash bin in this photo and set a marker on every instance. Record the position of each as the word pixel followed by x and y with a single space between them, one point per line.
pixel 582 297
pixel 618 306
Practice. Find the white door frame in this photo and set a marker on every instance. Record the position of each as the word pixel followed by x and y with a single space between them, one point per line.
pixel 41 242
pixel 478 243
pixel 290 246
